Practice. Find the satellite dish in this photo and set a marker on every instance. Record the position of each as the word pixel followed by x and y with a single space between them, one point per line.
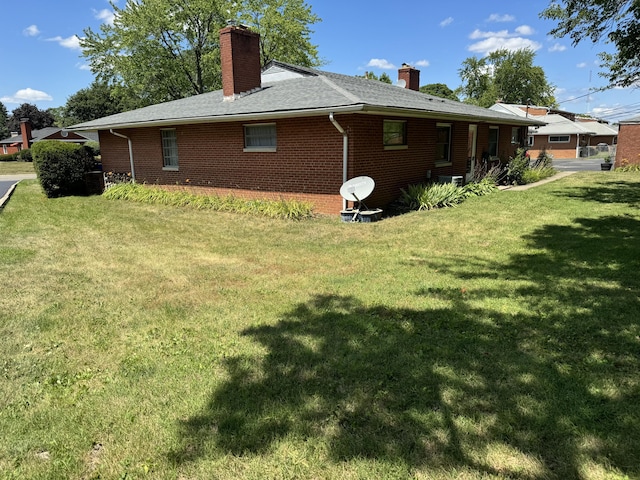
pixel 357 189
pixel 402 83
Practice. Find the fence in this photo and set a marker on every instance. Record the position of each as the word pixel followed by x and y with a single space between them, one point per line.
pixel 598 151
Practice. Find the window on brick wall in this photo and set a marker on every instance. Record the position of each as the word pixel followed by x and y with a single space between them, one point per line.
pixel 530 141
pixel 559 138
pixel 260 137
pixel 169 149
pixel 493 141
pixel 394 133
pixel 443 143
pixel 515 135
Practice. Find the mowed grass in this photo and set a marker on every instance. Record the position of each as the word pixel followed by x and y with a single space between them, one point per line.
pixel 498 339
pixel 13 168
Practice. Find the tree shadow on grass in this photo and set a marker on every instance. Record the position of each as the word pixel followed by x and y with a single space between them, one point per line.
pixel 625 192
pixel 551 386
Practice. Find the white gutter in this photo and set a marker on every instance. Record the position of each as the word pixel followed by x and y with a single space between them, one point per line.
pixel 133 173
pixel 345 153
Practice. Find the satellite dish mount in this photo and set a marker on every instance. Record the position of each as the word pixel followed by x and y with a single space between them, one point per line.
pixel 356 190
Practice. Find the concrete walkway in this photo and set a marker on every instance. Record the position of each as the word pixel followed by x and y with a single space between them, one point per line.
pixel 8 185
pixel 557 176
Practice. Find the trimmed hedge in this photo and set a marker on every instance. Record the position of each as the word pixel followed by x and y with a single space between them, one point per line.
pixel 21 156
pixel 61 167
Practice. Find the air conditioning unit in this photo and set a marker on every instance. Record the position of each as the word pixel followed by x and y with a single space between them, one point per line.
pixel 455 179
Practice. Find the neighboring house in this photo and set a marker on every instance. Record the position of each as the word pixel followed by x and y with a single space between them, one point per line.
pixel 21 141
pixel 628 151
pixel 565 135
pixel 294 132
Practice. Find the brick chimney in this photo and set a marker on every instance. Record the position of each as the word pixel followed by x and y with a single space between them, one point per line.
pixel 410 75
pixel 25 129
pixel 240 59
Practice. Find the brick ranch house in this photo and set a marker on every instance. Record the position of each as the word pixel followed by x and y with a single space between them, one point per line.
pixel 295 132
pixel 23 140
pixel 628 152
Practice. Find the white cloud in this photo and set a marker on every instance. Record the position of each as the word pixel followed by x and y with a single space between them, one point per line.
pixel 27 95
pixel 31 31
pixel 83 66
pixel 557 48
pixel 495 17
pixel 503 39
pixel 72 42
pixel 422 63
pixel 105 15
pixel 525 30
pixel 381 63
pixel 582 65
pixel 446 22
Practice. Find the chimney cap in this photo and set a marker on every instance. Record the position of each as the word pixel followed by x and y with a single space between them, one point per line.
pixel 25 119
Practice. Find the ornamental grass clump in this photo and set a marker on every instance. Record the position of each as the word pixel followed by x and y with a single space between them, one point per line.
pixel 440 195
pixel 288 209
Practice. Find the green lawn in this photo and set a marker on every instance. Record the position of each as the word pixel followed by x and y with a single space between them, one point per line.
pixel 498 339
pixel 11 168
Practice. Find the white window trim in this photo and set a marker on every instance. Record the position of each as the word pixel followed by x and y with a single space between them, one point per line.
pixel 530 141
pixel 165 167
pixel 259 149
pixel 568 140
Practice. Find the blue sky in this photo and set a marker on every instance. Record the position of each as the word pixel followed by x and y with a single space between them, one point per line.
pixel 354 36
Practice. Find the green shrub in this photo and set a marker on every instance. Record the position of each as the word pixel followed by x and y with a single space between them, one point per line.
pixel 544 160
pixel 430 196
pixel 24 155
pixel 94 146
pixel 484 187
pixel 290 209
pixel 9 157
pixel 517 166
pixel 533 175
pixel 629 168
pixel 61 167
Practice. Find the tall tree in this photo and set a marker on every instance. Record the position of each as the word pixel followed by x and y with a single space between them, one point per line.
pixel 96 101
pixel 384 77
pixel 4 118
pixel 160 50
pixel 38 118
pixel 506 76
pixel 614 22
pixel 439 90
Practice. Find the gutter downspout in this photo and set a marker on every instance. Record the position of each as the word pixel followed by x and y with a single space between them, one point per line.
pixel 345 153
pixel 133 173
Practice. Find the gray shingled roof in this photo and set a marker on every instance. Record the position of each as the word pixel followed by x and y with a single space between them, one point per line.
pixel 37 135
pixel 630 120
pixel 289 90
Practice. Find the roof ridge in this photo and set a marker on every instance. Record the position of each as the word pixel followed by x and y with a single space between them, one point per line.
pixel 340 90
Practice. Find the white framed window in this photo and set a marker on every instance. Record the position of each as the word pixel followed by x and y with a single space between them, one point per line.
pixel 443 143
pixel 559 138
pixel 494 134
pixel 530 141
pixel 394 133
pixel 260 137
pixel 4 149
pixel 169 149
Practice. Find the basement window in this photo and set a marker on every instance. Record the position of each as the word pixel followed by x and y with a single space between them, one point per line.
pixel 559 138
pixel 394 133
pixel 169 149
pixel 260 137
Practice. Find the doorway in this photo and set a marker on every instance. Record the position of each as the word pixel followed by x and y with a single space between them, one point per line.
pixel 471 152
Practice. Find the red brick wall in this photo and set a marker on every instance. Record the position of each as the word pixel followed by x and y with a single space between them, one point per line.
pixel 628 149
pixel 558 150
pixel 308 161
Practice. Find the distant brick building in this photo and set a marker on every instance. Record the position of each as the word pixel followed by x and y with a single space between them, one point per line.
pixel 629 142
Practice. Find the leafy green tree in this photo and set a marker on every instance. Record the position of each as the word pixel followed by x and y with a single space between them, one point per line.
pixel 160 50
pixel 38 118
pixel 96 101
pixel 439 90
pixel 384 77
pixel 4 118
pixel 614 22
pixel 507 76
